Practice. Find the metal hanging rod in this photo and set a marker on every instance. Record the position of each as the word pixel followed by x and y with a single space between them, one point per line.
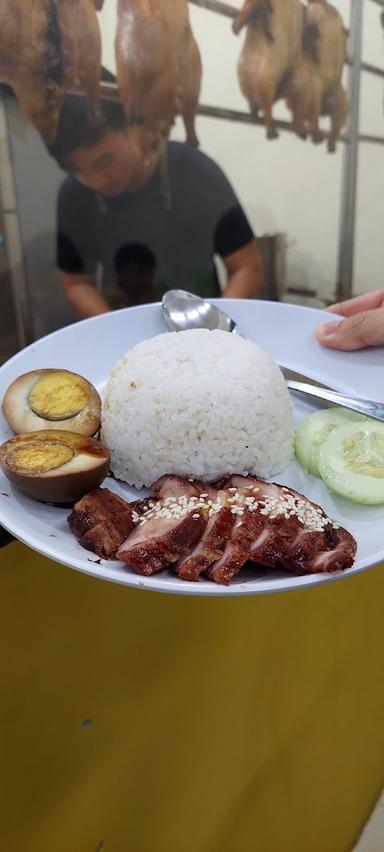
pixel 371 69
pixel 109 91
pixel 217 6
pixel 231 11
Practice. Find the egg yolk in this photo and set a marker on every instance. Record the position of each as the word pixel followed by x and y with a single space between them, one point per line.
pixel 37 457
pixel 58 396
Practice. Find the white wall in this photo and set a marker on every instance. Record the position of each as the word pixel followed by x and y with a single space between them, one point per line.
pixel 288 185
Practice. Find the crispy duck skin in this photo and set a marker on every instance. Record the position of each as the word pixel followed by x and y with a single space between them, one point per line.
pixel 160 541
pixel 81 49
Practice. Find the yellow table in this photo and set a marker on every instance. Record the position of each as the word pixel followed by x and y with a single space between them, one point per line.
pixel 135 722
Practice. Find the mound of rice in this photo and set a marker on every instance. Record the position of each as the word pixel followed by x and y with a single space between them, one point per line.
pixel 198 403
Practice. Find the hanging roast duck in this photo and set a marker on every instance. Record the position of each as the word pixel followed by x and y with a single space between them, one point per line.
pixel 271 49
pixel 47 47
pixel 315 87
pixel 158 65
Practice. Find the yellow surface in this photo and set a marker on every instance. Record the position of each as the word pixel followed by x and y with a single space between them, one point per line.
pixel 150 723
pixel 59 395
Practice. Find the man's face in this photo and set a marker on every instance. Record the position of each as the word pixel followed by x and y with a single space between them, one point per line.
pixel 114 165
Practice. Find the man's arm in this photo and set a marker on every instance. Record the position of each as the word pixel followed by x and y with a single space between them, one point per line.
pixel 245 273
pixel 81 292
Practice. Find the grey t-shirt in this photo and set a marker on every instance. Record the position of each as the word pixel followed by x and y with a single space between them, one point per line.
pixel 204 218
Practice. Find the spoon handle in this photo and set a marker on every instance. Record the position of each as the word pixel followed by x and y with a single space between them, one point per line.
pixel 362 406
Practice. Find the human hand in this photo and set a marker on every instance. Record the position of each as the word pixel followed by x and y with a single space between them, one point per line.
pixel 362 327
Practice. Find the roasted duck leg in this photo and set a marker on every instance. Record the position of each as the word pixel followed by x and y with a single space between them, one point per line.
pixel 158 65
pixel 272 48
pixel 46 47
pixel 336 106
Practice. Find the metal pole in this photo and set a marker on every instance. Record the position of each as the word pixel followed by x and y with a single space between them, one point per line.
pixel 344 286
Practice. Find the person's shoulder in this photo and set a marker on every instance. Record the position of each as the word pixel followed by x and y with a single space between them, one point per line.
pixel 72 192
pixel 186 156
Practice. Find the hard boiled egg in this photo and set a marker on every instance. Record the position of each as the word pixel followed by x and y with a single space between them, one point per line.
pixel 43 398
pixel 54 466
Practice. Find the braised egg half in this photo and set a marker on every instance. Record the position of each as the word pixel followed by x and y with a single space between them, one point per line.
pixel 54 466
pixel 46 399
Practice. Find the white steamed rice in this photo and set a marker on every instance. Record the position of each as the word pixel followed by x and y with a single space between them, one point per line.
pixel 198 403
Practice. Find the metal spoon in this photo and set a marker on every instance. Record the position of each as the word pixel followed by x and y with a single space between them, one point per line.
pixel 183 311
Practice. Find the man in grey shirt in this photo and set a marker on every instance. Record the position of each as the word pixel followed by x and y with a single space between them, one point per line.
pixel 112 214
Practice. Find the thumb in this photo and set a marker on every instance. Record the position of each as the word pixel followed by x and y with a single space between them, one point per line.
pixel 356 332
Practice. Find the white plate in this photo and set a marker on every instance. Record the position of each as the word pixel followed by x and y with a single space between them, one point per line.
pixel 93 346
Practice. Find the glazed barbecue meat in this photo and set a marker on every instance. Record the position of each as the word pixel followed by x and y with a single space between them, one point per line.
pixel 249 520
pixel 94 508
pixel 210 547
pixel 298 534
pixel 106 538
pixel 47 46
pixel 214 530
pixel 158 65
pixel 316 88
pixel 172 485
pixel 102 521
pixel 160 540
pixel 198 558
pixel 246 529
pixel 271 49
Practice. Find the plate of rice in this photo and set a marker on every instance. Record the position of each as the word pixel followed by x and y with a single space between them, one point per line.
pixel 203 405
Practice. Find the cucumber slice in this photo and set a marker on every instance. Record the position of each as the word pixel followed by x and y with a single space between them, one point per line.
pixel 351 462
pixel 313 431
